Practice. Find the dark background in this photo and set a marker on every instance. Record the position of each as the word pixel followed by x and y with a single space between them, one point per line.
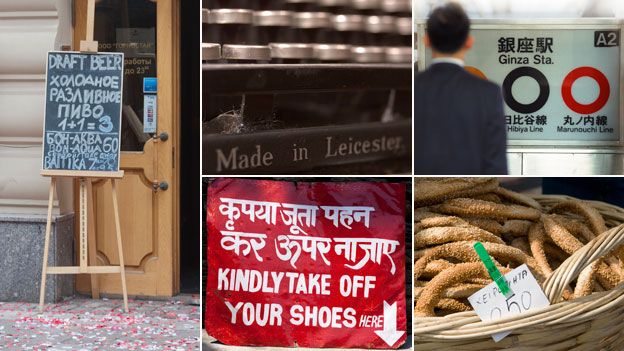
pixel 189 143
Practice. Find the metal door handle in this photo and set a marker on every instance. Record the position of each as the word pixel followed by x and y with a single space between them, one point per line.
pixel 164 136
pixel 160 186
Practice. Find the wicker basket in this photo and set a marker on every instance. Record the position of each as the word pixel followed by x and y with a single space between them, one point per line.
pixel 594 322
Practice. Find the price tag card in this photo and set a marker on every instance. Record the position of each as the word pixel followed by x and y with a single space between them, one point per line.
pixel 491 304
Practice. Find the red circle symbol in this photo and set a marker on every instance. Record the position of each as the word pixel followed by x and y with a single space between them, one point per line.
pixel 603 94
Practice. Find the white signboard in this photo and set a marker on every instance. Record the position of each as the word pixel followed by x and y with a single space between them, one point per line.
pixel 558 84
pixel 490 304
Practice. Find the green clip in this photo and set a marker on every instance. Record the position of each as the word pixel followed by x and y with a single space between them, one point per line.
pixel 495 274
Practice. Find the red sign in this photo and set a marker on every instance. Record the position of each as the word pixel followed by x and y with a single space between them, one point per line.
pixel 306 264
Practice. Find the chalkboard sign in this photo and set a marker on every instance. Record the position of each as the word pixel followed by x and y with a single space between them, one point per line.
pixel 83 111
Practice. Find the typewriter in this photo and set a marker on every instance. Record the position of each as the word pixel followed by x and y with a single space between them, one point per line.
pixel 306 86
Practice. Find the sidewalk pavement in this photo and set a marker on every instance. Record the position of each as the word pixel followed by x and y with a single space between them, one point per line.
pixel 81 323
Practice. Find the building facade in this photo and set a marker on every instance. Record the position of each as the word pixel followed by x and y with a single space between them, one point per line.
pixel 28 29
pixel 148 33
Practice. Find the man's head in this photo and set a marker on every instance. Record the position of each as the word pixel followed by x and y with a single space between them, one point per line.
pixel 448 31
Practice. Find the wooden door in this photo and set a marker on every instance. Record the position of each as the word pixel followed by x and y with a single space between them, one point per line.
pixel 147 31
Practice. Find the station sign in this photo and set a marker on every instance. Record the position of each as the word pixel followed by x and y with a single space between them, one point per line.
pixel 297 264
pixel 558 84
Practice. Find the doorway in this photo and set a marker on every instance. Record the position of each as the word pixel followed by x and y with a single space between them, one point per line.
pixel 150 195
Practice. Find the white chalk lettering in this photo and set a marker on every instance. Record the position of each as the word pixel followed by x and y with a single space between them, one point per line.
pixel 346 215
pixel 233 310
pixel 249 280
pixel 260 314
pixel 67 62
pixel 296 215
pixel 313 283
pixel 323 316
pixel 262 210
pixel 83 101
pixel 232 241
pixel 293 245
pixel 368 321
pixel 373 250
pixel 350 285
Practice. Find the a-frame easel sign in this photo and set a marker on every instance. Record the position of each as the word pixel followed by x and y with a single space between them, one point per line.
pixel 81 139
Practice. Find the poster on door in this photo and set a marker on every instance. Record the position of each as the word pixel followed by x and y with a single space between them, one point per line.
pixel 558 84
pixel 298 264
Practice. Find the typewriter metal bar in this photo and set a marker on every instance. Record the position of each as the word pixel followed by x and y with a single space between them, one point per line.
pixel 265 78
pixel 306 85
pixel 324 146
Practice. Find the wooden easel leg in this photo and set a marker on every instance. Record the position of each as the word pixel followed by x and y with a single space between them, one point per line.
pixel 46 246
pixel 119 246
pixel 84 220
pixel 92 247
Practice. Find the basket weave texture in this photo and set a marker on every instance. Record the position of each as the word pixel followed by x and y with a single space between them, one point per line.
pixel 594 322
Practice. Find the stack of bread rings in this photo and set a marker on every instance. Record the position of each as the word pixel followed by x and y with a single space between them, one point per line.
pixel 451 214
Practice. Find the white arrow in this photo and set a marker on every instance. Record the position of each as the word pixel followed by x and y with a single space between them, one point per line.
pixel 390 334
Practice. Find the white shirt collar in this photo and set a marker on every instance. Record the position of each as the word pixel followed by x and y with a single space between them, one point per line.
pixel 452 60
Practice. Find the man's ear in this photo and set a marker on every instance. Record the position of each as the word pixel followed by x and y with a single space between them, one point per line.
pixel 469 42
pixel 427 41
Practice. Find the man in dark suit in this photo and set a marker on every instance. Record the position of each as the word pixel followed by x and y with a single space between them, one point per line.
pixel 459 123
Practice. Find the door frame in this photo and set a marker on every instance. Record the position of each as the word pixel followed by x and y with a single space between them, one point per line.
pixel 168 100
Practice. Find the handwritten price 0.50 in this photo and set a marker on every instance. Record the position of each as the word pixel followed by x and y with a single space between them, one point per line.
pixel 524 305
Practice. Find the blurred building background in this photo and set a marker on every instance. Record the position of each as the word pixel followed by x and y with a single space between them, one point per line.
pixel 529 8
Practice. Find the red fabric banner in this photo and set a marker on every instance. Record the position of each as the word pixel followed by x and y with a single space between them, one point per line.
pixel 306 264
